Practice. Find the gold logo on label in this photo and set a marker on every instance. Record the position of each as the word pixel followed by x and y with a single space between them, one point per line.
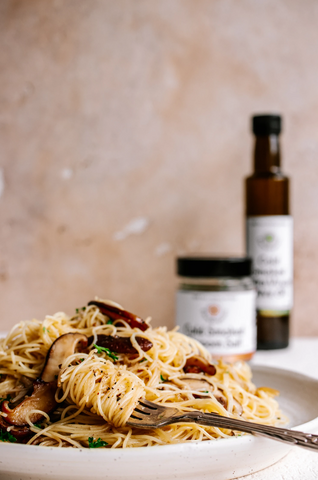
pixel 214 310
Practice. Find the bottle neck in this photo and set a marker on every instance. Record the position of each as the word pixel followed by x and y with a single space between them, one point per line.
pixel 267 154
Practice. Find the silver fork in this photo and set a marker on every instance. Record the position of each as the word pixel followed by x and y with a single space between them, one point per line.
pixel 152 415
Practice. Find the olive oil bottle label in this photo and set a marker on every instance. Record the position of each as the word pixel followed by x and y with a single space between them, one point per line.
pixel 224 322
pixel 270 245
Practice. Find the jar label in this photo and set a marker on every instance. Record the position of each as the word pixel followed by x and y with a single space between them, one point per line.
pixel 270 245
pixel 224 322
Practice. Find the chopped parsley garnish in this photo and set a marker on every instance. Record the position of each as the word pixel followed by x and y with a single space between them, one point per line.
pixel 96 443
pixel 7 437
pixel 77 310
pixel 46 330
pixel 109 322
pixel 110 354
pixel 206 391
pixel 142 360
pixel 37 425
pixel 163 379
pixel 5 399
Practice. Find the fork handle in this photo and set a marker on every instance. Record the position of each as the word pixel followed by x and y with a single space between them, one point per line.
pixel 292 437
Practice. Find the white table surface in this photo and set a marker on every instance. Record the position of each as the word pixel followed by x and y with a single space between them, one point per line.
pixel 301 356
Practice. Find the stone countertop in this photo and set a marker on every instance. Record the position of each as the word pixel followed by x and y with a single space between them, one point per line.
pixel 301 356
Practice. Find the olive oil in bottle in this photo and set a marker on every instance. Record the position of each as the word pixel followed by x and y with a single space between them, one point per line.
pixel 269 235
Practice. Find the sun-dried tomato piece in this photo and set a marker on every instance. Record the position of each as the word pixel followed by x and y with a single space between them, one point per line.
pixel 121 344
pixel 197 364
pixel 116 313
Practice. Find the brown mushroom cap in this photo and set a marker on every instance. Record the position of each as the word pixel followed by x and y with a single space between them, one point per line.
pixel 44 388
pixel 63 347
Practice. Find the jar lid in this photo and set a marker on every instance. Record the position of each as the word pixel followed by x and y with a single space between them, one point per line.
pixel 204 266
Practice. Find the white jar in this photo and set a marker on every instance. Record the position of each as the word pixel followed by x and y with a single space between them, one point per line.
pixel 216 305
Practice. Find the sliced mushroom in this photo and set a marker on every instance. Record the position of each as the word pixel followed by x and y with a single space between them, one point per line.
pixel 198 385
pixel 44 388
pixel 63 347
pixel 203 386
pixel 121 344
pixel 221 398
pixel 21 434
pixel 42 398
pixel 197 364
pixel 116 313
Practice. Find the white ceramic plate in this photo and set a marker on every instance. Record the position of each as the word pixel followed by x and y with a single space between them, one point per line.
pixel 222 459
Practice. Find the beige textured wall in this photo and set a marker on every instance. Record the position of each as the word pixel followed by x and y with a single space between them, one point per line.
pixel 124 140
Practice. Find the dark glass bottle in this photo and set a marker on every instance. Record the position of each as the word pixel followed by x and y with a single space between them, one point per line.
pixel 269 230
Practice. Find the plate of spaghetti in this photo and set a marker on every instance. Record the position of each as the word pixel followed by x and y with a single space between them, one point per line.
pixel 69 384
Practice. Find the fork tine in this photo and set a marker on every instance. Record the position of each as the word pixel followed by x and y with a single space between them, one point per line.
pixel 149 414
pixel 150 405
pixel 134 417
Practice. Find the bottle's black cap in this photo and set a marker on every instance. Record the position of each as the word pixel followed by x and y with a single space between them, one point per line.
pixel 267 124
pixel 204 266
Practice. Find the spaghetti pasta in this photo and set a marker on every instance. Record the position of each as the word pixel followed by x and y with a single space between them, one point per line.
pixel 97 389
